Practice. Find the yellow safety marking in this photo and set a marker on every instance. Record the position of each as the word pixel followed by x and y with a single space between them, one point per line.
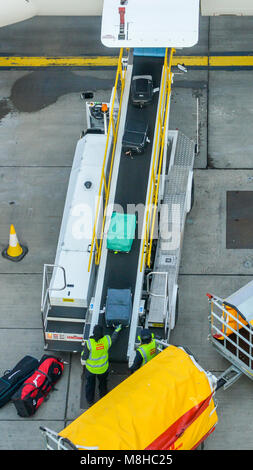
pixel 214 61
pixel 110 61
pixel 101 61
pixel 58 61
pixel 230 61
pixel 68 300
pixel 191 61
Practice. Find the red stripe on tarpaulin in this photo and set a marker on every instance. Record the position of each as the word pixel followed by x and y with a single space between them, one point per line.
pixel 168 437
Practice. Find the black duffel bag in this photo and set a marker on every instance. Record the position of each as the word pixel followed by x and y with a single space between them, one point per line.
pixel 13 379
pixel 34 391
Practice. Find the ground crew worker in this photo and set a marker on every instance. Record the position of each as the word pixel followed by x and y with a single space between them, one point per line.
pixel 96 359
pixel 146 351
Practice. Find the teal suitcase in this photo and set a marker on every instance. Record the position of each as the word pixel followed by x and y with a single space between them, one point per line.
pixel 121 232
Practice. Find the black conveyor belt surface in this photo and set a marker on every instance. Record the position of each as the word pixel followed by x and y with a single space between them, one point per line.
pixel 121 269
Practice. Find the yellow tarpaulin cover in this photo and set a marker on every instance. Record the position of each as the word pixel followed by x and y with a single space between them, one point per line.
pixel 231 317
pixel 167 404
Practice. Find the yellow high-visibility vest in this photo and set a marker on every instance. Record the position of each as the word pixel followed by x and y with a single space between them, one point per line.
pixel 98 360
pixel 147 351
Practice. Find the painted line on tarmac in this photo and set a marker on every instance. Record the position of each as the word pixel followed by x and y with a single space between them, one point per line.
pixel 225 62
pixel 26 61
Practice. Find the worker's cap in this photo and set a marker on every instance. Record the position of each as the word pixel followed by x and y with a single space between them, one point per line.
pixel 98 332
pixel 145 335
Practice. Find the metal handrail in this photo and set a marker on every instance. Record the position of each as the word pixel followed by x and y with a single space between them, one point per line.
pixel 223 308
pixel 105 185
pixel 236 345
pixel 165 296
pixel 238 335
pixel 157 160
pixel 45 284
pixel 166 285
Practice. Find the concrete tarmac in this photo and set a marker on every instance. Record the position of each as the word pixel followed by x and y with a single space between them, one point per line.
pixel 41 118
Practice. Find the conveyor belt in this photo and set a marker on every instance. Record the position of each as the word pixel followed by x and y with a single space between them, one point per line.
pixel 121 269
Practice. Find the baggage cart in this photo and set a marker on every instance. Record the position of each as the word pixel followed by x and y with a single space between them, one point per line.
pixel 231 332
pixel 167 404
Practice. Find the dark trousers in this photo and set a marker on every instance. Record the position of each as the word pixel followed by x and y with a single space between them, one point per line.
pixel 90 385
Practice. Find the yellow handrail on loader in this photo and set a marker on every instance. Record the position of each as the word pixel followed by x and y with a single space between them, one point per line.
pixel 157 160
pixel 105 182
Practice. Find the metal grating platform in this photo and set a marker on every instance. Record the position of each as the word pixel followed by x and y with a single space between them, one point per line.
pixel 172 220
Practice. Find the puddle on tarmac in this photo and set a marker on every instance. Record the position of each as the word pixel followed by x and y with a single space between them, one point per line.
pixel 41 88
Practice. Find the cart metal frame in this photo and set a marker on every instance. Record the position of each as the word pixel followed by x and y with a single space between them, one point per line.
pixel 218 325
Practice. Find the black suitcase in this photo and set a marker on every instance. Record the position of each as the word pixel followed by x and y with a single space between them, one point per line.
pixel 135 138
pixel 142 90
pixel 13 379
pixel 118 309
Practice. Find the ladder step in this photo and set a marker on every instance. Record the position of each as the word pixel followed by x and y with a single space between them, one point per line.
pixel 64 327
pixel 67 346
pixel 67 313
pixel 74 320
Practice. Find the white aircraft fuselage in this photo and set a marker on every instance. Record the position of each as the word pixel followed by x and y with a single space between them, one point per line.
pixel 13 11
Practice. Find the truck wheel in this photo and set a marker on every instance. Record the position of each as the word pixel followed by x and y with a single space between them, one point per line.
pixel 176 310
pixel 192 195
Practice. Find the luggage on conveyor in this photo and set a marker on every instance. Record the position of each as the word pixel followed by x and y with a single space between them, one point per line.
pixel 141 90
pixel 121 232
pixel 135 137
pixel 118 309
pixel 36 388
pixel 12 379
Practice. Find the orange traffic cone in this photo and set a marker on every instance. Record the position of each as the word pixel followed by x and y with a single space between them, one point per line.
pixel 15 251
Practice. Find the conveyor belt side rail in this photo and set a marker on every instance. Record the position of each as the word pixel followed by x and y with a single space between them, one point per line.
pixel 105 181
pixel 157 160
